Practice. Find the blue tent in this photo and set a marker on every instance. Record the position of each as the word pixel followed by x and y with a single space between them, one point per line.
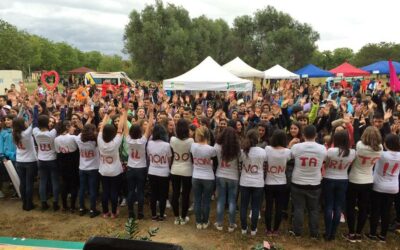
pixel 312 71
pixel 381 68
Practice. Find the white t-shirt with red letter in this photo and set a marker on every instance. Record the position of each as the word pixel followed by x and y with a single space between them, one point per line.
pixel 159 152
pixel 276 165
pixel 202 162
pixel 137 152
pixel 337 166
pixel 110 164
pixel 253 167
pixel 386 173
pixel 228 170
pixel 45 142
pixel 182 164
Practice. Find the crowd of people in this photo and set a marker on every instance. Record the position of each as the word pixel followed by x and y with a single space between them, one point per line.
pixel 292 146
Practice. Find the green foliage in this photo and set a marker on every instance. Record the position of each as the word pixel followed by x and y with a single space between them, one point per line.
pixel 23 51
pixel 328 59
pixel 163 41
pixel 132 231
pixel 371 53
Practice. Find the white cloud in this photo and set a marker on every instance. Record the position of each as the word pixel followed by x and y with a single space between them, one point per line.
pixel 99 25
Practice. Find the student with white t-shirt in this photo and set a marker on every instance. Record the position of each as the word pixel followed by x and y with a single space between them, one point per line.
pixel 275 182
pixel 26 160
pixel 68 162
pixel 306 181
pixel 47 156
pixel 109 140
pixel 159 154
pixel 251 181
pixel 335 182
pixel 181 171
pixel 386 186
pixel 227 177
pixel 89 162
pixel 368 152
pixel 203 179
pixel 137 165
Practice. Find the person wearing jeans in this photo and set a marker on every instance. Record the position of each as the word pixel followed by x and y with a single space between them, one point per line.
pixel 26 160
pixel 136 181
pixel 181 171
pixel 251 181
pixel 227 176
pixel 203 179
pixel 335 182
pixel 49 169
pixel 368 152
pixel 386 186
pixel 306 182
pixel 88 179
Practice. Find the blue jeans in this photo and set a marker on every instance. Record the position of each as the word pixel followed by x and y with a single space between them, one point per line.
pixel 110 192
pixel 136 178
pixel 88 179
pixel 49 169
pixel 255 194
pixel 334 193
pixel 202 190
pixel 26 173
pixel 224 185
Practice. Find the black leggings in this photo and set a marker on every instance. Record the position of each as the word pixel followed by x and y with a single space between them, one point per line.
pixel 69 165
pixel 380 209
pixel 159 192
pixel 357 195
pixel 185 182
pixel 274 194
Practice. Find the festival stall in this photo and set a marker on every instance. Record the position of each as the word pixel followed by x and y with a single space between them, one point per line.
pixel 241 69
pixel 208 75
pixel 312 71
pixel 381 68
pixel 348 70
pixel 279 72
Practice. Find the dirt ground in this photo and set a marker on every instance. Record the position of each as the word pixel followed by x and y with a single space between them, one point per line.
pixel 66 226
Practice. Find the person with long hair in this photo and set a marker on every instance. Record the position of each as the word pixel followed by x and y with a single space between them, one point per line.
pixel 137 165
pixel 335 182
pixel 239 126
pixel 306 182
pixel 227 177
pixel 181 171
pixel 26 160
pixel 203 178
pixel 159 154
pixel 7 146
pixel 68 162
pixel 386 186
pixel 109 140
pixel 89 162
pixel 275 182
pixel 368 152
pixel 262 128
pixel 47 156
pixel 251 181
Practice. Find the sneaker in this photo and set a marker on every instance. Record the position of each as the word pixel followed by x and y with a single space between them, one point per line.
pixel 185 221
pixel 114 216
pixel 140 216
pixel 253 232
pixel 232 228
pixel 199 226
pixel 162 218
pixel 177 221
pixel 82 211
pixel 218 226
pixel 1 195
pixel 350 237
pixel 293 234
pixel 56 207
pixel 275 233
pixel 44 206
pixel 372 237
pixel 123 203
pixel 154 218
pixel 94 213
pixel 358 237
pixel 168 205
pixel 191 208
pixel 244 231
pixel 205 225
pixel 106 215
pixel 268 233
pixel 382 239
pixel 342 218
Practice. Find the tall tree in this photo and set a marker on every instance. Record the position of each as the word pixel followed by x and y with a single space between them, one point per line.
pixel 373 52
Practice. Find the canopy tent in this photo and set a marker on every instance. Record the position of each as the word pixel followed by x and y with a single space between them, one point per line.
pixel 208 75
pixel 241 69
pixel 381 67
pixel 312 71
pixel 80 71
pixel 348 70
pixel 279 72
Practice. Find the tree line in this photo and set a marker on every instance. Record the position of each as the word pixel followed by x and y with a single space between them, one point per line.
pixel 23 51
pixel 163 41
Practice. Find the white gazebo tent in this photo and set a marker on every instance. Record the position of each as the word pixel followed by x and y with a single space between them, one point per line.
pixel 279 72
pixel 241 69
pixel 208 75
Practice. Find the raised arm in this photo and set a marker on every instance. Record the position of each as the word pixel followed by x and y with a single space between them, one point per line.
pixel 151 121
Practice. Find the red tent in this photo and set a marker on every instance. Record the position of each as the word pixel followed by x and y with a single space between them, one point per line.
pixel 81 71
pixel 348 70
